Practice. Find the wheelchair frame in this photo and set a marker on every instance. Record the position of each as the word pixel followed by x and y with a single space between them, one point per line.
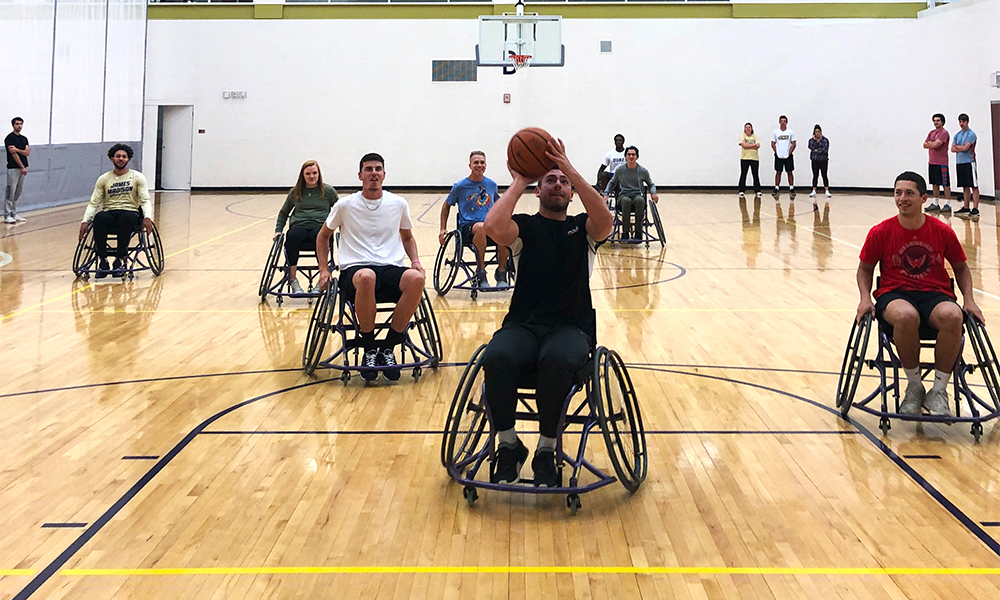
pixel 886 361
pixel 451 256
pixel 282 288
pixel 651 216
pixel 469 439
pixel 348 358
pixel 145 255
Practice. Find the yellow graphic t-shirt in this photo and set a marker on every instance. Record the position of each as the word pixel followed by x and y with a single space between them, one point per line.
pixel 119 192
pixel 747 153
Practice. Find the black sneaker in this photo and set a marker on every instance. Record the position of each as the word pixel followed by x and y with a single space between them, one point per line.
pixel 974 213
pixel 791 193
pixel 932 208
pixel 510 459
pixel 386 358
pixel 103 270
pixel 544 466
pixel 368 364
pixel 946 209
pixel 118 268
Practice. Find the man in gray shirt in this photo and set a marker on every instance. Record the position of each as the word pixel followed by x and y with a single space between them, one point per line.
pixel 628 181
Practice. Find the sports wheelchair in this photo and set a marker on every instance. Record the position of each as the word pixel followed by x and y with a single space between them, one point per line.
pixel 425 351
pixel 650 219
pixel 282 288
pixel 887 365
pixel 145 254
pixel 608 403
pixel 451 259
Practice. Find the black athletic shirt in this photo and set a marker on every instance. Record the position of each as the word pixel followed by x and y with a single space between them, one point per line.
pixel 552 286
pixel 18 141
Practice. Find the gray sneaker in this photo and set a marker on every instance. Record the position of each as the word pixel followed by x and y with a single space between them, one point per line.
pixel 502 279
pixel 937 403
pixel 932 208
pixel 913 400
pixel 296 287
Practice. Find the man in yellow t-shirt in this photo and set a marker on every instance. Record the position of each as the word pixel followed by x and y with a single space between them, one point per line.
pixel 749 159
pixel 119 202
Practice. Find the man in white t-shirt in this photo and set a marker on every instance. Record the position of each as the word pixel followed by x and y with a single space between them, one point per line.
pixel 783 145
pixel 612 160
pixel 376 239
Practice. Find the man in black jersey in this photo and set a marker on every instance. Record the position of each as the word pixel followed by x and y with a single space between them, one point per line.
pixel 550 326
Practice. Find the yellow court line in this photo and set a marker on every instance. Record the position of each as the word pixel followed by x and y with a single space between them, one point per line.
pixel 445 570
pixel 6 572
pixel 216 238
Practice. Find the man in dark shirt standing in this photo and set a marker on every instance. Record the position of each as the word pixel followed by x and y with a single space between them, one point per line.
pixel 550 326
pixel 18 151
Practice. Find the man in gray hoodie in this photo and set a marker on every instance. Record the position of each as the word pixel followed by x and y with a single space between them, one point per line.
pixel 628 181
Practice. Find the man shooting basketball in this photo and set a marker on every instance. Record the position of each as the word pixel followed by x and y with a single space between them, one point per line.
pixel 551 325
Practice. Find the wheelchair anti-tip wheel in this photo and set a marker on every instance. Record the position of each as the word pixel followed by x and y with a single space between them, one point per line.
pixel 854 358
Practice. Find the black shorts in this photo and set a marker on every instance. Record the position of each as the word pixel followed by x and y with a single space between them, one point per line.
pixel 967 175
pixel 784 164
pixel 924 302
pixel 938 175
pixel 466 231
pixel 386 282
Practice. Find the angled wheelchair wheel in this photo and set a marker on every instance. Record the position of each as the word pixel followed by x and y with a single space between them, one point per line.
pixel 154 249
pixel 84 257
pixel 657 223
pixel 467 422
pixel 319 328
pixel 272 265
pixel 854 359
pixel 986 357
pixel 446 264
pixel 618 414
pixel 427 328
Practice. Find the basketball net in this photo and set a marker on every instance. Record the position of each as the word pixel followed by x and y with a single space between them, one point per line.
pixel 520 61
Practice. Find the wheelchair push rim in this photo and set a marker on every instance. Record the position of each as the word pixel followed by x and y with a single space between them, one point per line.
pixel 657 223
pixel 85 255
pixel 427 329
pixel 986 358
pixel 854 357
pixel 448 258
pixel 618 415
pixel 154 249
pixel 267 277
pixel 319 328
pixel 467 422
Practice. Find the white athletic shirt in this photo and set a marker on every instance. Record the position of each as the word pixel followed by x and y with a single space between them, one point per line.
pixel 612 159
pixel 369 229
pixel 782 142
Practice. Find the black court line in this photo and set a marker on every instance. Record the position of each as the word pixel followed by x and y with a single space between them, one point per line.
pixel 990 523
pixel 932 456
pixel 62 525
pixel 437 432
pixel 682 273
pixel 140 457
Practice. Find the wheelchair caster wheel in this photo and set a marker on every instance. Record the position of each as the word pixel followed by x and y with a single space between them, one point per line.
pixel 977 431
pixel 470 495
pixel 647 245
pixel 573 502
pixel 279 300
pixel 85 276
pixel 475 294
pixel 345 378
pixel 884 425
pixel 416 373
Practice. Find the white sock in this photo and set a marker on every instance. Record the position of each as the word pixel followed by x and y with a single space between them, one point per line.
pixel 940 380
pixel 508 437
pixel 912 375
pixel 546 443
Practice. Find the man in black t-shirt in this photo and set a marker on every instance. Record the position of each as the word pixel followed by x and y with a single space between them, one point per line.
pixel 550 326
pixel 18 151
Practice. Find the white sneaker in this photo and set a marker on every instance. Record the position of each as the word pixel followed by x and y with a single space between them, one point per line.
pixel 296 287
pixel 742 195
pixel 913 400
pixel 9 220
pixel 20 219
pixel 937 403
pixel 812 194
pixel 828 194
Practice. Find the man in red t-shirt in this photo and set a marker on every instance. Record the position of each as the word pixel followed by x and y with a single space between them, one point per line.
pixel 936 144
pixel 915 291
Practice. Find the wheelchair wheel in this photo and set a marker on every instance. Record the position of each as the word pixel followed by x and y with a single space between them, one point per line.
pixel 319 328
pixel 986 357
pixel 427 328
pixel 84 257
pixel 446 264
pixel 467 421
pixel 618 414
pixel 154 250
pixel 854 359
pixel 272 265
pixel 657 223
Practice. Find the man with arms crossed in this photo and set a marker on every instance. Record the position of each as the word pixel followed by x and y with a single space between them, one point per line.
pixel 628 180
pixel 915 291
pixel 965 166
pixel 474 196
pixel 937 164
pixel 119 202
pixel 783 145
pixel 376 239
pixel 550 326
pixel 18 152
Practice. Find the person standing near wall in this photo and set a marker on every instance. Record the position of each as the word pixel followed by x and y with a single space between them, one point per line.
pixel 749 160
pixel 783 145
pixel 819 155
pixel 964 147
pixel 18 152
pixel 612 160
pixel 936 143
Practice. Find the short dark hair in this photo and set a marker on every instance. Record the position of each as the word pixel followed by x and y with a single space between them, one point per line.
pixel 939 116
pixel 114 149
pixel 476 153
pixel 15 120
pixel 963 117
pixel 782 117
pixel 632 148
pixel 370 157
pixel 915 178
pixel 618 135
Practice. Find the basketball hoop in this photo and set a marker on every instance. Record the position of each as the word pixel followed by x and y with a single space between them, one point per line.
pixel 520 61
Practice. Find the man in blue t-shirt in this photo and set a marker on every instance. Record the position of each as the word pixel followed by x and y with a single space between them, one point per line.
pixel 964 147
pixel 474 196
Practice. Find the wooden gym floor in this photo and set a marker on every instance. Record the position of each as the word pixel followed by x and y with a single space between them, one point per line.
pixel 158 439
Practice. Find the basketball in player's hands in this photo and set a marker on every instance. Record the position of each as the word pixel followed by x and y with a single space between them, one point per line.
pixel 526 153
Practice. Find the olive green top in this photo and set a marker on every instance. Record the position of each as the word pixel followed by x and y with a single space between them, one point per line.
pixel 310 211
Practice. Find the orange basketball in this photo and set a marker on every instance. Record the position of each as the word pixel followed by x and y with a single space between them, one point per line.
pixel 526 153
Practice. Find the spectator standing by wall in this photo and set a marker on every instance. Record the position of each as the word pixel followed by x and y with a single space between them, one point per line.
pixel 18 151
pixel 819 154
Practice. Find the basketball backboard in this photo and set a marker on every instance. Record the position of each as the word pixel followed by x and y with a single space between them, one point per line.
pixel 537 35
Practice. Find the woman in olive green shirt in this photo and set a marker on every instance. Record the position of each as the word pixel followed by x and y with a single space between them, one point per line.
pixel 305 209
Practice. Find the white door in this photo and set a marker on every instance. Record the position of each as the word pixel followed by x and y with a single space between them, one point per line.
pixel 175 147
